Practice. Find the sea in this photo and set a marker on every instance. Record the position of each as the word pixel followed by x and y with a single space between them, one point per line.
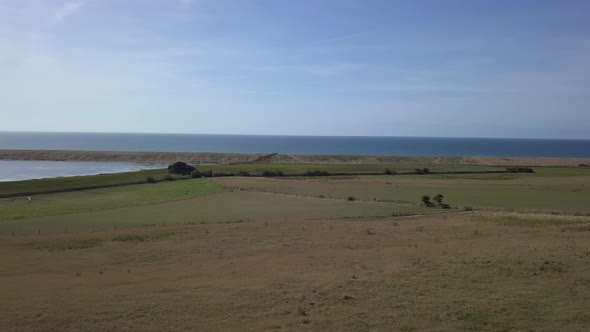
pixel 334 145
pixel 330 145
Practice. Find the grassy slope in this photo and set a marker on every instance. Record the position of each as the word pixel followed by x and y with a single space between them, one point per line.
pixel 108 198
pixel 64 183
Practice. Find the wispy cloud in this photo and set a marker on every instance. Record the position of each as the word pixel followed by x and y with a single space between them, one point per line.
pixel 186 3
pixel 66 10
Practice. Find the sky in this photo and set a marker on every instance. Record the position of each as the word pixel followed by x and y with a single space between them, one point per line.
pixel 472 68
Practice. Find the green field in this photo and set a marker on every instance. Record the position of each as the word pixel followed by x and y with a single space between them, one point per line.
pixel 105 199
pixel 548 190
pixel 228 199
pixel 224 207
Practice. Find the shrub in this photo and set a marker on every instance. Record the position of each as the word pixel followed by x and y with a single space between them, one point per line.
pixel 181 168
pixel 426 200
pixel 351 198
pixel 468 208
pixel 272 173
pixel 445 206
pixel 196 174
pixel 584 165
pixel 316 173
pixel 219 174
pixel 438 199
pixel 418 171
pixel 243 173
pixel 426 171
pixel 150 179
pixel 207 174
pixel 169 177
pixel 520 170
pixel 389 172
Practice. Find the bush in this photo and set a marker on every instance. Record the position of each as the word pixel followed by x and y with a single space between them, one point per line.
pixel 426 200
pixel 445 206
pixel 220 174
pixel 207 174
pixel 584 165
pixel 468 208
pixel 243 173
pixel 422 170
pixel 316 173
pixel 272 173
pixel 181 168
pixel 520 170
pixel 389 172
pixel 351 198
pixel 438 199
pixel 196 174
pixel 150 179
pixel 169 177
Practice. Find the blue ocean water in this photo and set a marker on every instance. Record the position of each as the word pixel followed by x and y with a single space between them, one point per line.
pixel 402 146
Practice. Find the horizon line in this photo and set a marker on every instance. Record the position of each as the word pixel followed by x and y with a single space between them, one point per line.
pixel 284 135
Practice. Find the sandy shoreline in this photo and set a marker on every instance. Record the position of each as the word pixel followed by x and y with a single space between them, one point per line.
pixel 225 158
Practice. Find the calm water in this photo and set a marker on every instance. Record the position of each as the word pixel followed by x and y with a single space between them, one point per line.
pixel 403 146
pixel 14 170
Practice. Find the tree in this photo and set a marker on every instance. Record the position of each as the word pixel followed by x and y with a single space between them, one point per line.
pixel 181 168
pixel 426 200
pixel 438 199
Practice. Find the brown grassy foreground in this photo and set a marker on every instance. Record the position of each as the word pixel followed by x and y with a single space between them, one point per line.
pixel 453 272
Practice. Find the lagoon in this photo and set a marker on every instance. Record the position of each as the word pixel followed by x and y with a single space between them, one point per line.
pixel 17 170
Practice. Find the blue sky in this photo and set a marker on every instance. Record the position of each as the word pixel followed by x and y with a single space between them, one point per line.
pixel 384 68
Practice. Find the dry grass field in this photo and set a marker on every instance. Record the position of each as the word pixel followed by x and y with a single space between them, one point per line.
pixel 467 271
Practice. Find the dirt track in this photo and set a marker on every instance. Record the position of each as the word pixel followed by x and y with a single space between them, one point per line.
pixel 224 158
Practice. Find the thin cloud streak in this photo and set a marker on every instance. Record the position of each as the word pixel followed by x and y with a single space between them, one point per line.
pixel 66 10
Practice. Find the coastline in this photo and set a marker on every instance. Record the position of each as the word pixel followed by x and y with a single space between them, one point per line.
pixel 229 158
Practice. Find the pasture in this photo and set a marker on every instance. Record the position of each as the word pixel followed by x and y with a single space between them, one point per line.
pixel 547 191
